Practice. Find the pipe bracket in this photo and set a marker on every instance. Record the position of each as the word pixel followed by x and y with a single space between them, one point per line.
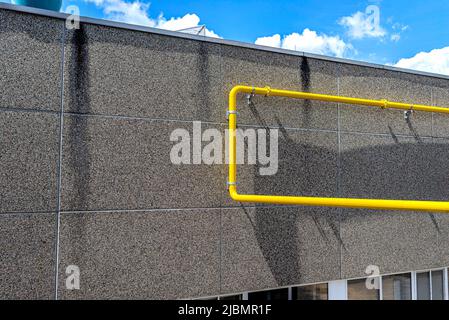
pixel 408 114
pixel 228 184
pixel 249 97
pixel 229 112
pixel 268 91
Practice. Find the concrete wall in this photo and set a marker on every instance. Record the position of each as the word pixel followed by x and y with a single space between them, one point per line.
pixel 95 187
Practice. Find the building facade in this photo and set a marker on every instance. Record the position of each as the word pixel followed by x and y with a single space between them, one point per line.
pixel 88 188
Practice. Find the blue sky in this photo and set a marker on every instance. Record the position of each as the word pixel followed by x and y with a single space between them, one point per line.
pixel 383 31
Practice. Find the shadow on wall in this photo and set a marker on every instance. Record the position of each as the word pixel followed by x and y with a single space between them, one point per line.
pixel 403 170
pixel 388 168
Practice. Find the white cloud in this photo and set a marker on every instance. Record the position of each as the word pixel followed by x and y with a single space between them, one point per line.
pixel 436 61
pixel 97 2
pixel 308 41
pixel 273 41
pixel 364 25
pixel 136 12
pixel 398 28
pixel 395 37
pixel 186 22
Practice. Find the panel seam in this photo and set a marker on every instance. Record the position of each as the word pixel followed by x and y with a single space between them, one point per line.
pixel 59 182
pixel 147 119
pixel 220 268
pixel 339 210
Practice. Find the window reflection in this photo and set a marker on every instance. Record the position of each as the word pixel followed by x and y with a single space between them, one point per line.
pixel 423 285
pixel 397 287
pixel 314 292
pixel 437 285
pixel 281 294
pixel 357 290
pixel 237 297
pixel 429 285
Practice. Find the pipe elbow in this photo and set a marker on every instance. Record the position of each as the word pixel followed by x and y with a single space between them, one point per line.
pixel 237 89
pixel 233 193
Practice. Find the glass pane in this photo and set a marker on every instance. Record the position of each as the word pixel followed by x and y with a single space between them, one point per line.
pixel 357 290
pixel 437 285
pixel 233 298
pixel 281 294
pixel 315 292
pixel 397 287
pixel 423 286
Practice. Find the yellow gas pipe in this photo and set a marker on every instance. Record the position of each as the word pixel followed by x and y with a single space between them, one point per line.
pixel 430 206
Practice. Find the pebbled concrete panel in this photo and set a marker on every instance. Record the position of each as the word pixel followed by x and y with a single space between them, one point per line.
pixel 113 71
pixel 141 255
pixel 116 163
pixel 307 166
pixel 30 61
pixel 27 256
pixel 440 98
pixel 364 82
pixel 393 241
pixel 390 167
pixel 441 177
pixel 29 145
pixel 271 247
pixel 242 66
pixel 442 225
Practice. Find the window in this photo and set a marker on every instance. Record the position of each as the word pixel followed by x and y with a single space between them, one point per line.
pixel 281 294
pixel 429 285
pixel 237 297
pixel 314 292
pixel 437 285
pixel 423 285
pixel 357 290
pixel 397 287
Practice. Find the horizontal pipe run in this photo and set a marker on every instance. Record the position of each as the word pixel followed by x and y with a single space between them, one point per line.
pixel 375 204
pixel 383 104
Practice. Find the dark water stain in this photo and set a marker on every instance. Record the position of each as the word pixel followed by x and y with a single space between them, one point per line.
pixel 77 141
pixel 306 87
pixel 78 130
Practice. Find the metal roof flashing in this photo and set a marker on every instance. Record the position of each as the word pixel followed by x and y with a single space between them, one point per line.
pixel 121 25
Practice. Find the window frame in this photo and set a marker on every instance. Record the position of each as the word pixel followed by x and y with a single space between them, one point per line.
pixel 338 289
